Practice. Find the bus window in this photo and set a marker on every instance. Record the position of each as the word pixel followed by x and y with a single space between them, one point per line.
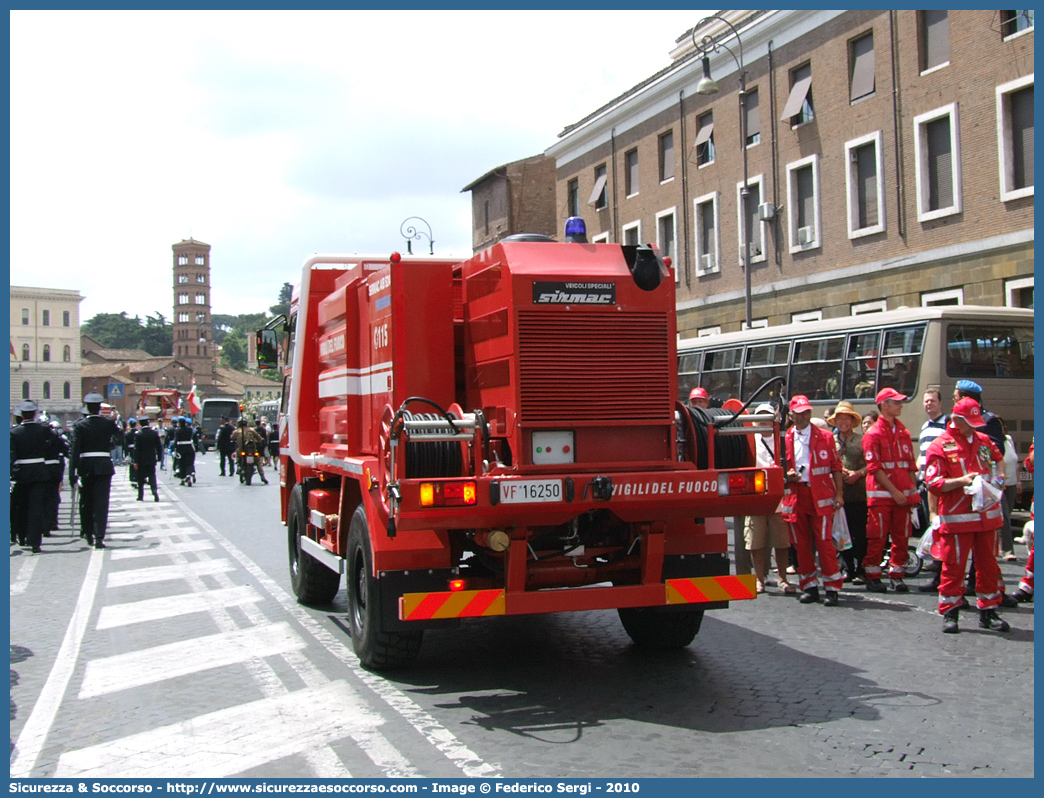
pixel 816 369
pixel 721 374
pixel 688 373
pixel 979 351
pixel 764 363
pixel 901 359
pixel 861 365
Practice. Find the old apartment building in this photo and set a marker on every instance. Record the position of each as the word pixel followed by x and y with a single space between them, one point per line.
pixel 889 157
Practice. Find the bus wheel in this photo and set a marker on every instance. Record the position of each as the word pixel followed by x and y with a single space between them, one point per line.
pixel 377 648
pixel 312 581
pixel 651 627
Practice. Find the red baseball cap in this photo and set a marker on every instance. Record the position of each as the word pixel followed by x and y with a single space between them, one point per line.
pixel 799 404
pixel 889 393
pixel 698 393
pixel 968 409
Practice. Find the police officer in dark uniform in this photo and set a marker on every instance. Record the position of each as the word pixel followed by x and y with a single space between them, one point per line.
pixel 32 443
pixel 91 461
pixel 225 447
pixel 148 449
pixel 186 450
pixel 55 462
pixel 128 449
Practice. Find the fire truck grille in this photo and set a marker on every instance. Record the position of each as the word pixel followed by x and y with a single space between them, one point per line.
pixel 594 367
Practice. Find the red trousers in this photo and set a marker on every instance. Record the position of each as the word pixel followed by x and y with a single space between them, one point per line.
pixel 887 521
pixel 1026 585
pixel 807 530
pixel 955 549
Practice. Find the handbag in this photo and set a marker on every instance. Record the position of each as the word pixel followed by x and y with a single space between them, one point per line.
pixel 842 537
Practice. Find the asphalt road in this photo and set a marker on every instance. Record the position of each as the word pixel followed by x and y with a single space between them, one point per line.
pixel 179 651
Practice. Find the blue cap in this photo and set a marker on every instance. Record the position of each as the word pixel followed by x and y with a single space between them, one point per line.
pixel 969 385
pixel 93 398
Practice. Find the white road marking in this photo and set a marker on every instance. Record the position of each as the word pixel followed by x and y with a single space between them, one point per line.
pixel 34 733
pixel 138 668
pixel 25 573
pixel 168 548
pixel 173 606
pixel 164 573
pixel 229 741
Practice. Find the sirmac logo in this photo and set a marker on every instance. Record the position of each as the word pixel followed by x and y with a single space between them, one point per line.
pixel 574 293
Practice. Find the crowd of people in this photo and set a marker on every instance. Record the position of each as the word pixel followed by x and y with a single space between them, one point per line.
pixel 951 489
pixel 96 445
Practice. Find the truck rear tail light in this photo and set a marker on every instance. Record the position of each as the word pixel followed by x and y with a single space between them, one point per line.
pixel 448 494
pixel 456 585
pixel 732 483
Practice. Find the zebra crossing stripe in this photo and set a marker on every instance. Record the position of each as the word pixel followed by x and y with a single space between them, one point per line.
pixel 169 661
pixel 157 609
pixel 166 548
pixel 165 573
pixel 230 741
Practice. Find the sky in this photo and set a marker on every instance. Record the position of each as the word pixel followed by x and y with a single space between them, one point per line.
pixel 274 135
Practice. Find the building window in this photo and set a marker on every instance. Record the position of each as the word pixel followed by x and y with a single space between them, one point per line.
pixel 753 118
pixel 47 390
pixel 200 318
pixel 25 352
pixel 599 196
pixel 46 318
pixel 182 279
pixel 754 229
pixel 1019 293
pixel 861 67
pixel 66 354
pixel 865 189
pixel 201 299
pixel 804 218
pixel 601 238
pixel 666 148
pixel 47 353
pixel 631 172
pixel 877 306
pixel 953 296
pixel 705 140
pixel 573 197
pixel 938 163
pixel 703 332
pixel 201 278
pixel 67 391
pixel 707 242
pixel 65 318
pixel 1013 22
pixel 25 316
pixel 755 324
pixel 1015 138
pixel 199 260
pixel 811 315
pixel 934 37
pixel 632 234
pixel 182 260
pixel 25 390
pixel 183 318
pixel 182 299
pixel 798 109
pixel 666 235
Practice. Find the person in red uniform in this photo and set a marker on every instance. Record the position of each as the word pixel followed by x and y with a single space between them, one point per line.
pixel 1025 591
pixel 891 480
pixel 813 493
pixel 698 397
pixel 953 461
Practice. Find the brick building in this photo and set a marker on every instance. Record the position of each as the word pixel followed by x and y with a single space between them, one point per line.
pixel 518 197
pixel 889 161
pixel 193 336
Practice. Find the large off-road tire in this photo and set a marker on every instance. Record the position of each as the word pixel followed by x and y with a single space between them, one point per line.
pixel 377 648
pixel 651 627
pixel 312 581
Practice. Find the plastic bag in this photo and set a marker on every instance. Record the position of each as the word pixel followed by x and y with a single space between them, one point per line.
pixel 924 547
pixel 983 494
pixel 842 537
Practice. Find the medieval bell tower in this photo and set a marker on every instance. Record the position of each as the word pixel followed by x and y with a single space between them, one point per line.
pixel 193 339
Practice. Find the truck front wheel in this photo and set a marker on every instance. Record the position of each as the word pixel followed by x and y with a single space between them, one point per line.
pixel 652 627
pixel 377 648
pixel 312 581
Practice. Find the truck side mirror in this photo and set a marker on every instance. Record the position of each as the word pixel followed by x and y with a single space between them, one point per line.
pixel 267 350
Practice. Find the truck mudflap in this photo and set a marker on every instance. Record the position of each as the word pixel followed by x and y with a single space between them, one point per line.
pixel 703 590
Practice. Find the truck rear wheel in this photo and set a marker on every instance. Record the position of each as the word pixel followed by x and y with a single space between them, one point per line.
pixel 312 581
pixel 652 627
pixel 376 647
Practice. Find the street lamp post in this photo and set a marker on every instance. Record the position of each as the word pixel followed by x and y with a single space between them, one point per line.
pixel 410 231
pixel 708 85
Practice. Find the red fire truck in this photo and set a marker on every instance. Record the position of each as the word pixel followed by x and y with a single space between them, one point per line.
pixel 502 436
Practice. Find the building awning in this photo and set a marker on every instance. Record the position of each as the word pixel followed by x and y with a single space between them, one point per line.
pixel 704 134
pixel 797 97
pixel 597 192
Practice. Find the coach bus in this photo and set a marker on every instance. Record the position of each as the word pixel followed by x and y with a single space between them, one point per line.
pixel 910 349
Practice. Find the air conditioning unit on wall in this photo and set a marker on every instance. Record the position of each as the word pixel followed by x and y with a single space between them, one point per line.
pixel 806 235
pixel 706 262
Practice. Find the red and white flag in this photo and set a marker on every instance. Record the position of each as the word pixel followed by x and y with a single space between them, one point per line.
pixel 192 402
pixel 13 353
